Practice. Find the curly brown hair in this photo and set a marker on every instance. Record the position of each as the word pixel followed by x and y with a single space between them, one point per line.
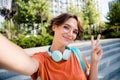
pixel 59 20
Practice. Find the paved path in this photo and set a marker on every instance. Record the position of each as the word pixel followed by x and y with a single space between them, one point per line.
pixel 31 51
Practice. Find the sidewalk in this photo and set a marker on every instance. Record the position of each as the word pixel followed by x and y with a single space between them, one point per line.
pixel 31 51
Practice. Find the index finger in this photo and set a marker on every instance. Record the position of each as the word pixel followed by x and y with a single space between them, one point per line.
pixel 98 39
pixel 92 41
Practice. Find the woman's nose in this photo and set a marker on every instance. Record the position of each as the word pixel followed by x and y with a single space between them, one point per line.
pixel 70 33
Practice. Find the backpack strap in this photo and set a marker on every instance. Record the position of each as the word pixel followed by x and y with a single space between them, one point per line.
pixel 78 56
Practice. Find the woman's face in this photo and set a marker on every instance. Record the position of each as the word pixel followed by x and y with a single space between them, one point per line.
pixel 67 32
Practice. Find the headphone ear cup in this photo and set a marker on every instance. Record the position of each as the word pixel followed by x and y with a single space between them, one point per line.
pixel 66 54
pixel 56 56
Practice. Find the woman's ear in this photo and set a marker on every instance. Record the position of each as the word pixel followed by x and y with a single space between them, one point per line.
pixel 54 27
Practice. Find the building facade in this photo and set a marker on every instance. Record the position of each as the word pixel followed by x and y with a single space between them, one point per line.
pixel 61 6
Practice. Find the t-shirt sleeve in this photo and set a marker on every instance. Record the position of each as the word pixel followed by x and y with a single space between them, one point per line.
pixel 40 59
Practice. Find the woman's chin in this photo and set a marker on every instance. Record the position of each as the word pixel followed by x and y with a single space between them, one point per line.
pixel 67 42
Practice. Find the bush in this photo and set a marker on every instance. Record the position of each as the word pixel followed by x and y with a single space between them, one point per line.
pixel 111 33
pixel 115 34
pixel 46 40
pixel 33 41
pixel 86 37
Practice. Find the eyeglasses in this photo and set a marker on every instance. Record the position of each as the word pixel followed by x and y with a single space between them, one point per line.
pixel 67 29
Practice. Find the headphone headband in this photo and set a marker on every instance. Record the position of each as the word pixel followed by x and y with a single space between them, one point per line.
pixel 58 56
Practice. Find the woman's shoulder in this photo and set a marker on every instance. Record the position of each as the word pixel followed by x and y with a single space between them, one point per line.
pixel 40 55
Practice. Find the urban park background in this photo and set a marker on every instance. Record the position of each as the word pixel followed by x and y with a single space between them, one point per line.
pixel 26 23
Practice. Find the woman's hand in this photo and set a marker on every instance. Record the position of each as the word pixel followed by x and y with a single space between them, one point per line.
pixel 96 52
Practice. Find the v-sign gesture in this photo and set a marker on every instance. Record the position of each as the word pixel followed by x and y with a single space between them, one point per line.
pixel 96 52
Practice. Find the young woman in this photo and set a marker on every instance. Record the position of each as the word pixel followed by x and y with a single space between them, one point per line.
pixel 59 62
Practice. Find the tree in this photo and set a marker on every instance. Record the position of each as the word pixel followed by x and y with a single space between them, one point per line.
pixel 31 12
pixel 113 25
pixel 114 15
pixel 76 11
pixel 91 16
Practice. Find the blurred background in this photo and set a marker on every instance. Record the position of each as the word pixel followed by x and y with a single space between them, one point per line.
pixel 25 22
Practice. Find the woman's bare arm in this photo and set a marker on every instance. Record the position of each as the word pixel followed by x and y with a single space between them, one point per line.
pixel 96 55
pixel 13 57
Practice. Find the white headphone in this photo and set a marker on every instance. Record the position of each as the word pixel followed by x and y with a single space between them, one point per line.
pixel 57 55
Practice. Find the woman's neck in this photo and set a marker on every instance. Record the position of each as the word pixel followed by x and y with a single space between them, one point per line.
pixel 57 46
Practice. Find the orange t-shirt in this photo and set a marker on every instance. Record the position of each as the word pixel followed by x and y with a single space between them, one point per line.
pixel 63 70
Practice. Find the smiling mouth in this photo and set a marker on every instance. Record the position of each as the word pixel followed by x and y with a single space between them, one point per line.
pixel 67 39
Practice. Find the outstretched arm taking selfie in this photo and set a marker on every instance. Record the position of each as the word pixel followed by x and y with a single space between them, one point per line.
pixel 13 57
pixel 96 55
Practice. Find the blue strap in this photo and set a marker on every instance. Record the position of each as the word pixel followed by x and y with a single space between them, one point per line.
pixel 77 54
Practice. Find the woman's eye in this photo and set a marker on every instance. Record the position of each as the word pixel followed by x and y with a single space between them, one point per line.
pixel 65 27
pixel 75 32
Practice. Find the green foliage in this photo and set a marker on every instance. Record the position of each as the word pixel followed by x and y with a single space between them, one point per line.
pixel 115 34
pixel 76 11
pixel 91 15
pixel 86 37
pixel 33 41
pixel 111 33
pixel 9 29
pixel 113 25
pixel 46 40
pixel 31 11
pixel 114 13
